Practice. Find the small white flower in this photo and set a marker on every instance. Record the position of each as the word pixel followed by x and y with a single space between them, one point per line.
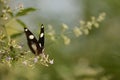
pixel 77 31
pixel 51 61
pixel 24 62
pixel 65 27
pixel 82 22
pixel 8 58
pixel 35 60
pixel 6 18
pixel 21 6
pixel 18 46
pixel 4 11
pixel 66 40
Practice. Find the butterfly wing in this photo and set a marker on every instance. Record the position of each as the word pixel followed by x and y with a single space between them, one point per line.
pixel 41 37
pixel 32 42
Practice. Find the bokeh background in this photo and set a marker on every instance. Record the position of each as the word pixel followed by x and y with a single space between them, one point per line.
pixel 89 57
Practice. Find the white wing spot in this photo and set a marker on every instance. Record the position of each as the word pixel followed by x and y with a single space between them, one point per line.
pixel 42 26
pixel 34 47
pixel 40 44
pixel 26 29
pixel 31 37
pixel 41 35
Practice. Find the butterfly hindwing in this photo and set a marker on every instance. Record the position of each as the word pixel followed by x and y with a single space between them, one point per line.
pixel 32 42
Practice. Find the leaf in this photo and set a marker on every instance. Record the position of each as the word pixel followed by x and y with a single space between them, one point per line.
pixel 20 22
pixel 25 11
pixel 16 35
pixel 11 14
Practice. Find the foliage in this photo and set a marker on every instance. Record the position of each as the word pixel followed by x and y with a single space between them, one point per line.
pixel 13 55
pixel 25 11
pixel 11 51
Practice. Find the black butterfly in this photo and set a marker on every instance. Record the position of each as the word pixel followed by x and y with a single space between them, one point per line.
pixel 36 46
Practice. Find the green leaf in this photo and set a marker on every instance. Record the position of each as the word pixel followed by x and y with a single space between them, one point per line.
pixel 25 11
pixel 11 14
pixel 20 22
pixel 16 35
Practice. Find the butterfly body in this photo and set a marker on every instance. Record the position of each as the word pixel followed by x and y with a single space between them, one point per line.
pixel 36 46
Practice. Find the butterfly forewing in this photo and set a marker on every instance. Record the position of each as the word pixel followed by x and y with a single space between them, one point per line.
pixel 41 37
pixel 32 42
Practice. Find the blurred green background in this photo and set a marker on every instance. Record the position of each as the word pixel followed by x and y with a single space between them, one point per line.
pixel 92 57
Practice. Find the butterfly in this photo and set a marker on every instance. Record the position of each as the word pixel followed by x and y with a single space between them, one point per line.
pixel 36 46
